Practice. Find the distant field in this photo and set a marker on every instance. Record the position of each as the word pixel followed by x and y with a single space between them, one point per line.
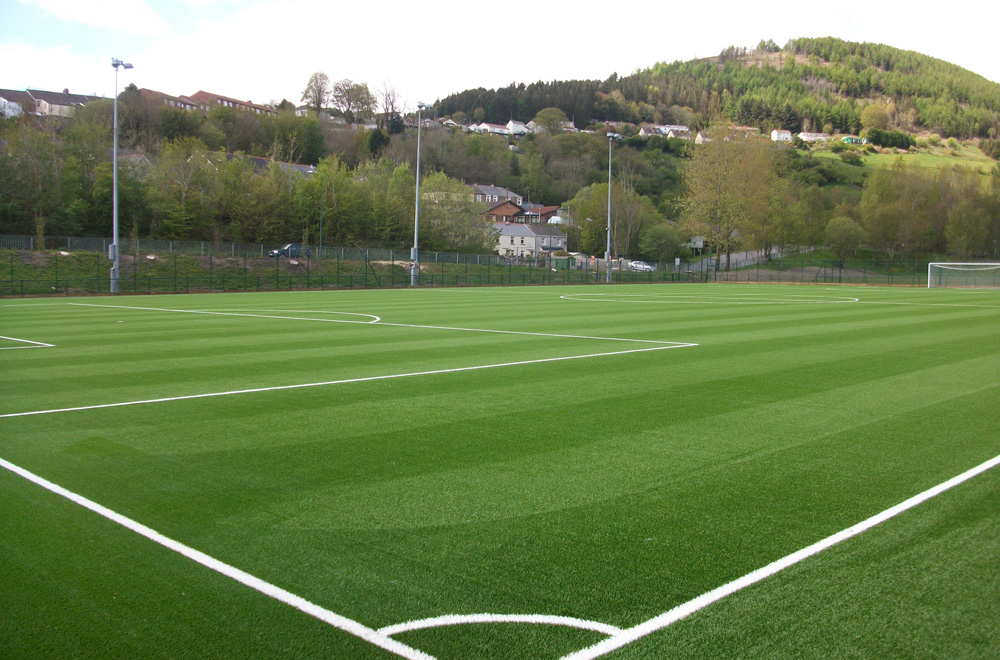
pixel 969 158
pixel 329 474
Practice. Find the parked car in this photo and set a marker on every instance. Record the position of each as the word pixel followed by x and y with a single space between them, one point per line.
pixel 639 267
pixel 290 250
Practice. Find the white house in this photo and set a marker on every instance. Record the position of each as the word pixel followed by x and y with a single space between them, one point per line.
pixel 778 135
pixel 812 137
pixel 517 128
pixel 12 102
pixel 492 129
pixel 522 240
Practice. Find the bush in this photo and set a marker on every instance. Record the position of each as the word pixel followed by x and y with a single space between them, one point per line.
pixel 935 140
pixel 991 148
pixel 953 143
pixel 894 138
pixel 852 158
pixel 836 146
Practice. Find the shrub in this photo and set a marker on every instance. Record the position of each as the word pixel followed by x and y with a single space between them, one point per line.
pixel 953 143
pixel 991 148
pixel 935 140
pixel 852 158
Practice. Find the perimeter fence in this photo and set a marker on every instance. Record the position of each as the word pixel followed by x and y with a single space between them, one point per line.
pixel 81 266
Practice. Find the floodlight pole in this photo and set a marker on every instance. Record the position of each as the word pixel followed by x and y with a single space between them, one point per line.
pixel 415 271
pixel 607 253
pixel 114 183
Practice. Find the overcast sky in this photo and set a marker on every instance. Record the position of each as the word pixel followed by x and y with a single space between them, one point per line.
pixel 263 50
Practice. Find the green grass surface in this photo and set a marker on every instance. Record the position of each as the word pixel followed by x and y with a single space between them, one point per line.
pixel 609 488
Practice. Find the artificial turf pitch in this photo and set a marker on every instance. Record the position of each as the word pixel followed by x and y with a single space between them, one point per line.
pixel 550 469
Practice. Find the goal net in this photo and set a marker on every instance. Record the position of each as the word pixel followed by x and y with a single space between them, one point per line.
pixel 964 275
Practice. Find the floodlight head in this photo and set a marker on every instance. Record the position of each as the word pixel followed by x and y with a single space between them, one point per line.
pixel 421 105
pixel 115 62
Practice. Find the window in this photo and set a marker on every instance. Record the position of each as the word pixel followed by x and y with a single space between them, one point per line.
pixel 522 240
pixel 511 240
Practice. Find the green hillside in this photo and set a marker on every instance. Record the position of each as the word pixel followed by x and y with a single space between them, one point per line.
pixel 810 84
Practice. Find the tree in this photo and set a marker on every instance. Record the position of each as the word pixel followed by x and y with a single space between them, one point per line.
pixel 389 100
pixel 844 236
pixel 874 116
pixel 662 243
pixel 551 120
pixel 727 191
pixel 354 100
pixel 317 92
pixel 450 218
pixel 184 183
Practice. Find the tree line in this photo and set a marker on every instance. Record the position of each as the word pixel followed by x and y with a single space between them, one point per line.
pixel 55 179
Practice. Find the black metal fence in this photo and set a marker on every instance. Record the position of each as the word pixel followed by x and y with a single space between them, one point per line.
pixel 60 272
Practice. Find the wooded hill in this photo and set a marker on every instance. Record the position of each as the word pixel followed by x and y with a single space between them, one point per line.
pixel 810 84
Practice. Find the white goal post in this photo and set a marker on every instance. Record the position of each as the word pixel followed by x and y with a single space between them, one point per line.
pixel 963 275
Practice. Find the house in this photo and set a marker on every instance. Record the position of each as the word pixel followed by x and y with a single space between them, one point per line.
pixel 490 129
pixel 701 138
pixel 812 137
pixel 507 212
pixel 536 214
pixel 518 240
pixel 851 139
pixel 13 103
pixel 448 122
pixel 779 135
pixel 490 195
pixel 57 104
pixel 167 100
pixel 206 100
pixel 517 129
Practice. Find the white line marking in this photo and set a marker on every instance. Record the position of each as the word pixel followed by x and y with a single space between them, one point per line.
pixel 685 610
pixel 341 382
pixel 34 344
pixel 462 619
pixel 680 299
pixel 254 316
pixel 337 621
pixel 379 322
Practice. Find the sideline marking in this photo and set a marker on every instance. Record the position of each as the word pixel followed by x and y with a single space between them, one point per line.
pixel 35 344
pixel 685 610
pixel 336 620
pixel 462 619
pixel 338 382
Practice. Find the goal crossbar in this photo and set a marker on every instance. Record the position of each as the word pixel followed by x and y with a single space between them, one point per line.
pixel 963 267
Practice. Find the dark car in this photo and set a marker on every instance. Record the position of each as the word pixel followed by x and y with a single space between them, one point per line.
pixel 290 250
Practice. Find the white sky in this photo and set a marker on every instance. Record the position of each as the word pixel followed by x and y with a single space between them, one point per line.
pixel 260 50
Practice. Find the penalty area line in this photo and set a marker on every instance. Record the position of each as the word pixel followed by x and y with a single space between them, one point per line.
pixel 336 620
pixel 34 344
pixel 365 379
pixel 685 610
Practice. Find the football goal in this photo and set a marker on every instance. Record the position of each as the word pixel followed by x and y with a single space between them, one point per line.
pixel 964 275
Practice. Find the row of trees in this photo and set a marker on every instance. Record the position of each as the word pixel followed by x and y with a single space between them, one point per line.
pixel 55 178
pixel 60 183
pixel 741 195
